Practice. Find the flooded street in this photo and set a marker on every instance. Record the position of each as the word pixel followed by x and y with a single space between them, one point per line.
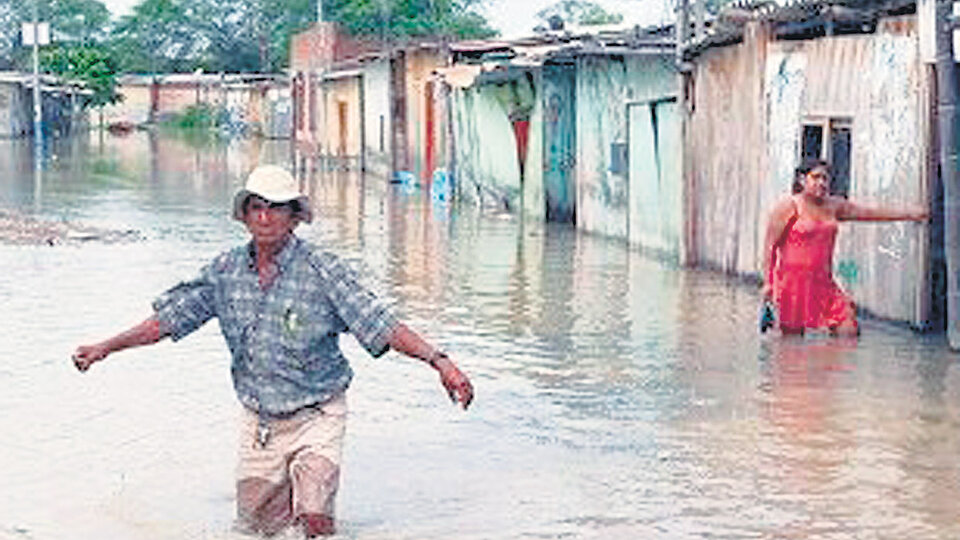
pixel 618 396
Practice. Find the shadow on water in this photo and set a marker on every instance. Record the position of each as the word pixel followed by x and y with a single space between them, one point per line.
pixel 617 396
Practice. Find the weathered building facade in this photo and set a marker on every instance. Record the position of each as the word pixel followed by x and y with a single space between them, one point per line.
pixel 579 130
pixel 366 104
pixel 786 89
pixel 679 156
pixel 61 106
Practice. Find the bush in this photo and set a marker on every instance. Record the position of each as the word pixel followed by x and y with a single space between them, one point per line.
pixel 201 116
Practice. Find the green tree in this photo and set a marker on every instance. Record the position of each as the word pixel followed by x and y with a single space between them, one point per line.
pixel 402 19
pixel 94 66
pixel 78 21
pixel 164 36
pixel 8 34
pixel 71 21
pixel 581 12
pixel 158 36
pixel 213 35
pixel 77 51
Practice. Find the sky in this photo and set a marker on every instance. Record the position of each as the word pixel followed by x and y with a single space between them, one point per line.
pixel 517 17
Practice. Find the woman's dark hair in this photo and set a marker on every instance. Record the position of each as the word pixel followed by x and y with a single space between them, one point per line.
pixel 797 185
pixel 801 171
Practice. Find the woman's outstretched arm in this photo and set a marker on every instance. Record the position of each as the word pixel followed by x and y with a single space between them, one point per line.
pixel 850 211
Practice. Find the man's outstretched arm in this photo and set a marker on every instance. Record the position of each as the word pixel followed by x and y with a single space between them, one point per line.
pixel 410 343
pixel 146 333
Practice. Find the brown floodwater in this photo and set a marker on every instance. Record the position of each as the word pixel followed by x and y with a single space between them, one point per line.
pixel 618 396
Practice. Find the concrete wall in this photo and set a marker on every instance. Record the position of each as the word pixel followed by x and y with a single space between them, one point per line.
pixel 420 65
pixel 486 155
pixel 601 194
pixel 606 84
pixel 258 107
pixel 655 153
pixel 339 126
pixel 377 119
pixel 534 202
pixel 135 107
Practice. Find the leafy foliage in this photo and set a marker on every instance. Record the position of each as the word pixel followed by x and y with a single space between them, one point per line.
pixel 92 65
pixel 72 21
pixel 581 12
pixel 402 19
pixel 170 36
pixel 157 37
pixel 78 52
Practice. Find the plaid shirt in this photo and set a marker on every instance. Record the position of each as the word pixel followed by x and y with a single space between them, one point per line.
pixel 284 340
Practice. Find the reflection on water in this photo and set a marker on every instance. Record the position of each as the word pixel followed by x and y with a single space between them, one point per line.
pixel 617 396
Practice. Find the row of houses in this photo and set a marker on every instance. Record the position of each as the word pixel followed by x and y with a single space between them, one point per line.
pixel 248 103
pixel 681 156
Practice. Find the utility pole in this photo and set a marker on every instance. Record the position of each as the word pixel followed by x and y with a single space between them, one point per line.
pixel 683 28
pixel 37 105
pixel 946 119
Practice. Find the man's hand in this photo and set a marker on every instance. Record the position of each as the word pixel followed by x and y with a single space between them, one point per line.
pixel 86 355
pixel 457 384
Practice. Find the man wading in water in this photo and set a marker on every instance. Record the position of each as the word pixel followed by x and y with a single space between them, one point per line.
pixel 282 304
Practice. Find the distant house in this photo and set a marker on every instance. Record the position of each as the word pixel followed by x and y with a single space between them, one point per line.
pixel 252 102
pixel 61 106
pixel 365 104
pixel 582 128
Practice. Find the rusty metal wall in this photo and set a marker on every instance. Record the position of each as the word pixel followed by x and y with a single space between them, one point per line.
pixel 744 139
pixel 725 155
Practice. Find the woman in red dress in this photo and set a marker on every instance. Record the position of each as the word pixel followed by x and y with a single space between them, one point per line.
pixel 798 254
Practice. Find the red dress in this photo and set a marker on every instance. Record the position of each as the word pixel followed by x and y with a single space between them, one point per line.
pixel 804 290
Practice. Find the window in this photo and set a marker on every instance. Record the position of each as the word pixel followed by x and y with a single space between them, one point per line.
pixel 830 139
pixel 618 157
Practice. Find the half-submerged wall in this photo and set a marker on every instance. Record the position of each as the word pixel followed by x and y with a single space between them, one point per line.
pixel 860 101
pixel 629 151
pixel 487 119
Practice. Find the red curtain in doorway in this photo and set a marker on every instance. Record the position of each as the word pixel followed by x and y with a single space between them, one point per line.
pixel 521 129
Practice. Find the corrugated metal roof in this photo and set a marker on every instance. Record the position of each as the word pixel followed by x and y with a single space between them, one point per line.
pixel 48 83
pixel 460 75
pixel 204 78
pixel 342 74
pixel 799 19
pixel 478 46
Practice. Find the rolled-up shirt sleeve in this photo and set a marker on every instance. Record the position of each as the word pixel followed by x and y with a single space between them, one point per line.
pixel 186 306
pixel 367 317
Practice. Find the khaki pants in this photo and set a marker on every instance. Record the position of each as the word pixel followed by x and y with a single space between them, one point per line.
pixel 296 472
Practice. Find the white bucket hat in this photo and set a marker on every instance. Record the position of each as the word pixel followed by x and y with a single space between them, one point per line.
pixel 273 184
